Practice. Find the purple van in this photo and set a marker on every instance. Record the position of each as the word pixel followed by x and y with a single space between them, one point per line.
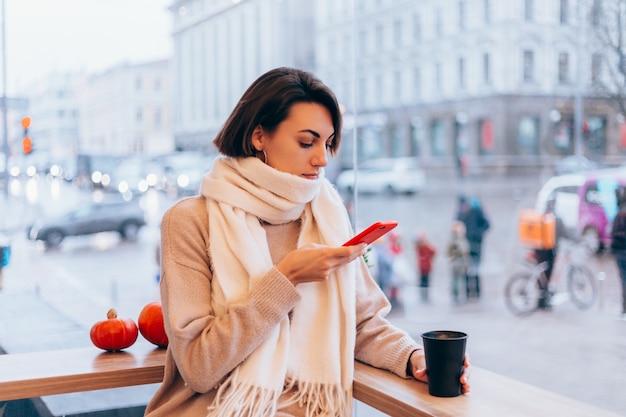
pixel 598 206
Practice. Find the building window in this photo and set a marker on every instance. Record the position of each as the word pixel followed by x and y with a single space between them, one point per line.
pixel 378 90
pixel 138 84
pixel 437 138
pixel 362 90
pixel 528 136
pixel 417 136
pixel 138 115
pixel 485 133
pixel 595 135
pixel 564 12
pixel 461 73
pixel 379 33
pixel 487 10
pixel 157 84
pixel 397 32
pixel 397 141
pixel 362 43
pixel 529 66
pixel 596 12
pixel 596 68
pixel 157 117
pixel 438 84
pixel 397 86
pixel 417 27
pixel 417 83
pixel 563 67
pixel 462 13
pixel 438 22
pixel 486 69
pixel 528 10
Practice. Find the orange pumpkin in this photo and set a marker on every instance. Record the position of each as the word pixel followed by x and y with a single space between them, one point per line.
pixel 151 324
pixel 114 334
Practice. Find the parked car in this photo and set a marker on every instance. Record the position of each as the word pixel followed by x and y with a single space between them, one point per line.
pixel 390 175
pixel 126 218
pixel 184 171
pixel 598 206
pixel 574 164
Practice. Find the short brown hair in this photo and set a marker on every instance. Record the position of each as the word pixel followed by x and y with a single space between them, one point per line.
pixel 267 102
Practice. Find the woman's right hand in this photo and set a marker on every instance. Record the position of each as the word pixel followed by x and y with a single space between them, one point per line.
pixel 314 262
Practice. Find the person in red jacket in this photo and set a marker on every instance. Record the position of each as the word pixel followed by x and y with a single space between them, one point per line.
pixel 424 253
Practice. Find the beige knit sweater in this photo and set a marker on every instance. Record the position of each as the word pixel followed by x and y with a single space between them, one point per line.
pixel 204 348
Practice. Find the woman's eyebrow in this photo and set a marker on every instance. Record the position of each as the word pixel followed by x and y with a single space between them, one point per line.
pixel 314 133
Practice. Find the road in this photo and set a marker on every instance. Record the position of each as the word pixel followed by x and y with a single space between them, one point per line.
pixel 573 353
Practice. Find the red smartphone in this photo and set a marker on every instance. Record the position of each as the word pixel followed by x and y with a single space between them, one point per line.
pixel 372 233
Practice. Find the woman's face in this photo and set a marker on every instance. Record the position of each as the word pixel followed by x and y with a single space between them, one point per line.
pixel 300 143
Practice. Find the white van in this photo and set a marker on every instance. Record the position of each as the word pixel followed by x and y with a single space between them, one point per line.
pixel 561 193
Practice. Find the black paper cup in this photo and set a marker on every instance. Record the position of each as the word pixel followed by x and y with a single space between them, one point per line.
pixel 445 354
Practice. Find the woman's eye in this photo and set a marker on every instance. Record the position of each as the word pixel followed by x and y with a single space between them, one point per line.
pixel 305 145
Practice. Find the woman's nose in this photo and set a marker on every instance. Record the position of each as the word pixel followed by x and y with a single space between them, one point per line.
pixel 320 159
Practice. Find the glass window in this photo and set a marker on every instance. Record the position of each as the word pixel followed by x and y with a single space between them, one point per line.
pixel 438 138
pixel 398 32
pixel 528 136
pixel 486 136
pixel 529 66
pixel 417 27
pixel 461 72
pixel 596 67
pixel 438 22
pixel 486 69
pixel 529 10
pixel 462 13
pixel 417 83
pixel 563 67
pixel 492 81
pixel 564 11
pixel 487 11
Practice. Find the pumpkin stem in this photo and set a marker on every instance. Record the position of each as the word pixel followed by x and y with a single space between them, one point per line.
pixel 112 314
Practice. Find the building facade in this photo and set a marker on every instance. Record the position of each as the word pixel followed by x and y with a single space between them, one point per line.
pixel 489 81
pixel 220 47
pixel 126 110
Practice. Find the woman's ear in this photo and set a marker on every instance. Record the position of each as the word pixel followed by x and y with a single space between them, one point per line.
pixel 257 138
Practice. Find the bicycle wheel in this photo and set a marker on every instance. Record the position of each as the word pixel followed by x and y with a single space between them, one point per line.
pixel 522 293
pixel 581 286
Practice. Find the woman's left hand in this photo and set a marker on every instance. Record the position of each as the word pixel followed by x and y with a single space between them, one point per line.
pixel 418 366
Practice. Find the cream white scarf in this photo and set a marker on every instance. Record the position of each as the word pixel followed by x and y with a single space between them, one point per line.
pixel 311 356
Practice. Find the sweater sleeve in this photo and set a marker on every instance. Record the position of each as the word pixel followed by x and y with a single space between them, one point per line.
pixel 206 347
pixel 378 342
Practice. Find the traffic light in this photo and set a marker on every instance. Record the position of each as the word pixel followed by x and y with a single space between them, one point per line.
pixel 27 145
pixel 27 142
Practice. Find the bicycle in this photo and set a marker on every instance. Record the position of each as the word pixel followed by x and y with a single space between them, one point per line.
pixel 524 288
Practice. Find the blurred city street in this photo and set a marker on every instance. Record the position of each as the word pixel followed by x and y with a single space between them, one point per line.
pixel 52 303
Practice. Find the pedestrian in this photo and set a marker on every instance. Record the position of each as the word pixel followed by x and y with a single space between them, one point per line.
pixel 264 308
pixel 458 253
pixel 383 267
pixel 476 225
pixel 618 242
pixel 424 253
pixel 548 255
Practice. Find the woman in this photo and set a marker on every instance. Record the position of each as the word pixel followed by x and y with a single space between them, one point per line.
pixel 264 309
pixel 618 242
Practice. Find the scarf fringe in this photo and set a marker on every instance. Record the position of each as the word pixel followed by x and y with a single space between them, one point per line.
pixel 241 400
pixel 319 399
